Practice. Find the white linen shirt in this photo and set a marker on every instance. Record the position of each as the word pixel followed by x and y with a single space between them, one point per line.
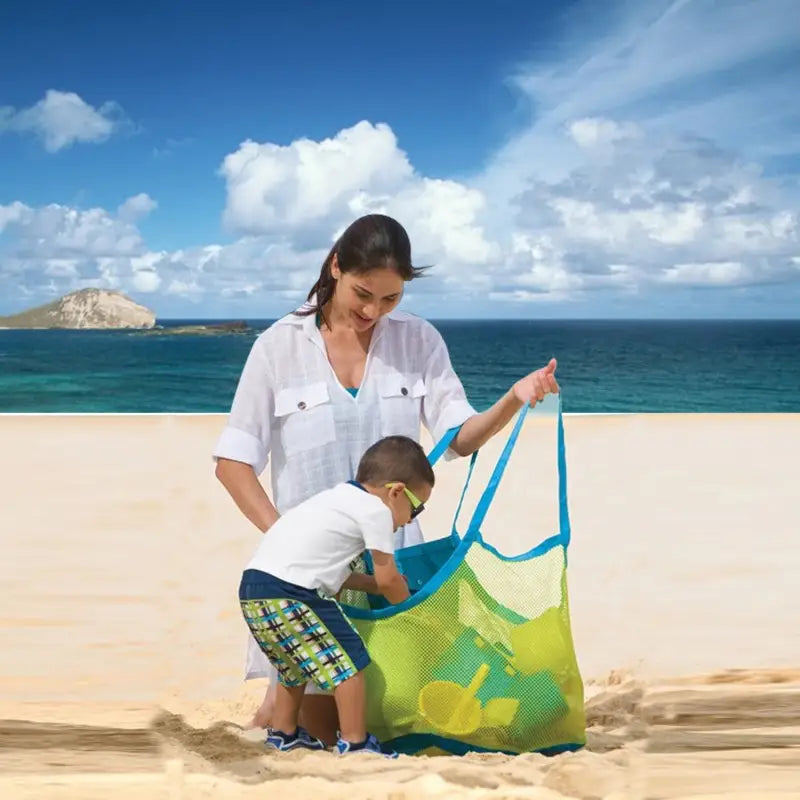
pixel 290 410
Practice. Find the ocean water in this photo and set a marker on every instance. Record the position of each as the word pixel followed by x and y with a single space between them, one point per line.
pixel 603 366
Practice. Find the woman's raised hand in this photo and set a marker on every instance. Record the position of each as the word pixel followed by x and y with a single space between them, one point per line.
pixel 532 388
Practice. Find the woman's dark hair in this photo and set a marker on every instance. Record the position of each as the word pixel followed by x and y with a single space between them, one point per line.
pixel 371 242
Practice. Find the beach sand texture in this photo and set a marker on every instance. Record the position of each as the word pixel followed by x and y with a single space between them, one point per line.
pixel 122 645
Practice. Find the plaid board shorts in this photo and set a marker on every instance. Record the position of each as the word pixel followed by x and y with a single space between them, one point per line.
pixel 305 636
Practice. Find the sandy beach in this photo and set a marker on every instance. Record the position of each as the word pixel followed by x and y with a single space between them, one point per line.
pixel 121 665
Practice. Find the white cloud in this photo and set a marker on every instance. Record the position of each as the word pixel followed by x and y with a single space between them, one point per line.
pixel 58 231
pixel 62 268
pixel 443 219
pixel 274 188
pixel 679 211
pixel 146 281
pixel 136 207
pixel 60 248
pixel 60 119
pixel 590 132
pixel 308 191
pixel 13 214
pixel 720 273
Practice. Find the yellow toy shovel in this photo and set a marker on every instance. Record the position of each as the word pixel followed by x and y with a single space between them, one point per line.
pixel 453 708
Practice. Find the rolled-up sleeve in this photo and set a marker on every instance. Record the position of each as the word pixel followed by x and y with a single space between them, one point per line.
pixel 247 434
pixel 445 404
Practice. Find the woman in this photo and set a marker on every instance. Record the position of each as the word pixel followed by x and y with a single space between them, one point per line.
pixel 324 383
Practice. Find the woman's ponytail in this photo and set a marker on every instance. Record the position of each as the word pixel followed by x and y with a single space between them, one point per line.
pixel 322 291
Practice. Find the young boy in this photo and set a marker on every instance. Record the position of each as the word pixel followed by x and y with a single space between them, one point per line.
pixel 287 589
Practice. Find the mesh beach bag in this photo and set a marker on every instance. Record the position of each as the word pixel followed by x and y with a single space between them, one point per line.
pixel 481 656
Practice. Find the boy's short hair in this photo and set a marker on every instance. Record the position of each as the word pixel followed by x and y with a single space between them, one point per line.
pixel 395 458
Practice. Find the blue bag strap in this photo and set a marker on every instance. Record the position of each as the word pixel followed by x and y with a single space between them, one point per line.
pixel 436 453
pixel 494 481
pixel 441 446
pixel 454 529
pixel 565 531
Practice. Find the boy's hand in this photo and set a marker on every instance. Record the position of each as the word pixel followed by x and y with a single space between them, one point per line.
pixel 391 584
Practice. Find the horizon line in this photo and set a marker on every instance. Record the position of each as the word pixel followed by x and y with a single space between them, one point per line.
pixel 512 319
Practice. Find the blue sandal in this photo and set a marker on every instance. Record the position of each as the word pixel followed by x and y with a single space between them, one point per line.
pixel 369 745
pixel 300 739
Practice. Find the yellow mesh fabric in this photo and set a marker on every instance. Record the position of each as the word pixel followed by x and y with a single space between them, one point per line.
pixel 486 661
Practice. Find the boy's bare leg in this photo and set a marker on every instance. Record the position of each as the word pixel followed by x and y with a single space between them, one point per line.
pixel 351 701
pixel 287 707
pixel 319 717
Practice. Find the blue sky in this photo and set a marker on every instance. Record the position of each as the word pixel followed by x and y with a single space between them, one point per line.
pixel 580 159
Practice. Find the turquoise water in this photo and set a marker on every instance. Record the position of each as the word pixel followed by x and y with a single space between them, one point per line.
pixel 604 366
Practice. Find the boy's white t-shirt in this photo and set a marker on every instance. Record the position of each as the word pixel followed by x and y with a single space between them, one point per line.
pixel 314 543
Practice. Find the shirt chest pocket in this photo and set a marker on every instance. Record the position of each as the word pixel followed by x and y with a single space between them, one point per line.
pixel 305 417
pixel 401 404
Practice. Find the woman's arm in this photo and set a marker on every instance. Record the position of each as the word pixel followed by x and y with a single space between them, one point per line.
pixel 478 429
pixel 242 450
pixel 247 492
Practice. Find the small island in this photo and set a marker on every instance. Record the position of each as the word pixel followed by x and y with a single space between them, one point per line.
pixel 84 309
pixel 206 329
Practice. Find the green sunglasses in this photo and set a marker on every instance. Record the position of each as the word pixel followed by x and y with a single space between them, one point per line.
pixel 417 506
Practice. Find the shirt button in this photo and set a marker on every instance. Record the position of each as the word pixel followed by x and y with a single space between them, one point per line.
pixel 301 405
pixel 404 391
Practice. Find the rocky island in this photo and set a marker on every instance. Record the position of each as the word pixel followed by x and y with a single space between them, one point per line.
pixel 85 309
pixel 207 329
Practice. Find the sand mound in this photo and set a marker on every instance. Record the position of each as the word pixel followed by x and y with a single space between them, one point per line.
pixel 735 734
